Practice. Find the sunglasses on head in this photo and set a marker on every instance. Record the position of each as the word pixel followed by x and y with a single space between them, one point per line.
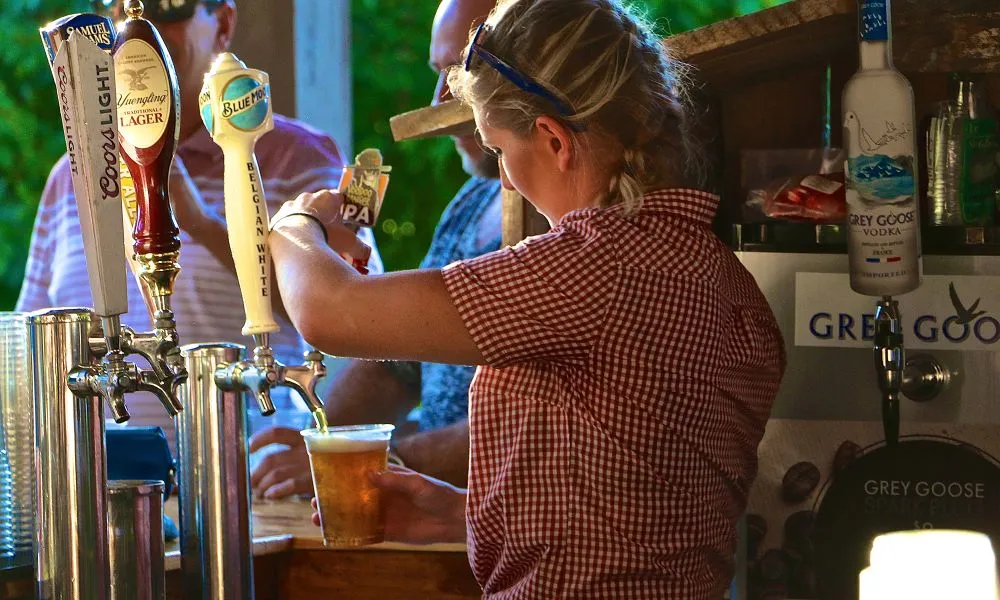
pixel 162 11
pixel 516 77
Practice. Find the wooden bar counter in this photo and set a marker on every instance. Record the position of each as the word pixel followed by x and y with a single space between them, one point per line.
pixel 290 563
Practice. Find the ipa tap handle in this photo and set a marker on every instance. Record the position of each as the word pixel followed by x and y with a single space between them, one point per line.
pixel 148 125
pixel 235 104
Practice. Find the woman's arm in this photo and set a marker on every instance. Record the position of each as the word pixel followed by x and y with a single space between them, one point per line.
pixel 406 315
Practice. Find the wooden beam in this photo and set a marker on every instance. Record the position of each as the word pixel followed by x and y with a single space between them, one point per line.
pixel 954 36
pixel 741 48
pixel 928 37
pixel 448 118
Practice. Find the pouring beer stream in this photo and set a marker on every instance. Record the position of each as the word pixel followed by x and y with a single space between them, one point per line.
pixel 235 105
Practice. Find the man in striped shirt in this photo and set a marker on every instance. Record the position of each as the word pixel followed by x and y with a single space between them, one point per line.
pixel 293 158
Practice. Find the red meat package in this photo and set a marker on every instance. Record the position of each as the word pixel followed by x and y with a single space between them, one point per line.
pixel 814 198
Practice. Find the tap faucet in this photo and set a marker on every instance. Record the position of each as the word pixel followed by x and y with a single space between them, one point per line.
pixel 889 364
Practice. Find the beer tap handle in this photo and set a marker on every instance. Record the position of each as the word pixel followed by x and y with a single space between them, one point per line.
pixel 889 362
pixel 235 106
pixel 86 91
pixel 149 125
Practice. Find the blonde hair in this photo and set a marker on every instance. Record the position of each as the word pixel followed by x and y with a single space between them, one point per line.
pixel 607 64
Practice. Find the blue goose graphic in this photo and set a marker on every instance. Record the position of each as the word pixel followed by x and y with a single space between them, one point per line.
pixel 878 178
pixel 963 315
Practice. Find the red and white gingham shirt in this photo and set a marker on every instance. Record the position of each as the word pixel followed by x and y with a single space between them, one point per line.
pixel 632 366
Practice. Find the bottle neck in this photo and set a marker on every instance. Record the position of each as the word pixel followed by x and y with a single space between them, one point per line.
pixel 875 34
pixel 875 55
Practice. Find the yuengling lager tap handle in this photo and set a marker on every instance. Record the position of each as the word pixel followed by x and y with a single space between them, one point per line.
pixel 235 104
pixel 889 363
pixel 149 124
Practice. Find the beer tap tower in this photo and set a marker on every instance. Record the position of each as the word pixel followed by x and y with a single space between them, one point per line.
pixel 76 361
pixel 216 543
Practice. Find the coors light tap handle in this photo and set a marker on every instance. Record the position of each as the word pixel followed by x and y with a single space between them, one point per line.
pixel 85 86
pixel 77 48
pixel 148 126
pixel 235 105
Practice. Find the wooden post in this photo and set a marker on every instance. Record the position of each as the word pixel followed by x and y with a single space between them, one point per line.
pixel 520 219
pixel 304 46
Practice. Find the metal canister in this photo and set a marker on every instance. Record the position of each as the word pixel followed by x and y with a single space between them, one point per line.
pixel 71 549
pixel 216 540
pixel 135 540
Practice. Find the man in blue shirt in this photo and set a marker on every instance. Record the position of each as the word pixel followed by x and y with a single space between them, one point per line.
pixel 384 392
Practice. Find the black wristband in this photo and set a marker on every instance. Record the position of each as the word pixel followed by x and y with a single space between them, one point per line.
pixel 314 218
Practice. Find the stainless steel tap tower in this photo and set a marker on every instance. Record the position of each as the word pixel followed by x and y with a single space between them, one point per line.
pixel 216 538
pixel 78 361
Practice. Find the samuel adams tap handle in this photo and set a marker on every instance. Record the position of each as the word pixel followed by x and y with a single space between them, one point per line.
pixel 148 125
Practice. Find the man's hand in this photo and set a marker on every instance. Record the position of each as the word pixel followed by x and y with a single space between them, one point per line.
pixel 284 472
pixel 190 209
pixel 205 226
pixel 418 509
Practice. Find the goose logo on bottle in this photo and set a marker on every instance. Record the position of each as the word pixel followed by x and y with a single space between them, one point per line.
pixel 143 93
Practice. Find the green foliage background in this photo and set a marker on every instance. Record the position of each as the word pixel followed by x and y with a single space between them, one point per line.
pixel 389 56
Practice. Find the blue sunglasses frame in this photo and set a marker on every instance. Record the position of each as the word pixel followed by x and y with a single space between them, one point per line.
pixel 516 77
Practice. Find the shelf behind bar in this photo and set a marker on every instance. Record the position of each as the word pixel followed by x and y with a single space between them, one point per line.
pixel 16 567
pixel 832 239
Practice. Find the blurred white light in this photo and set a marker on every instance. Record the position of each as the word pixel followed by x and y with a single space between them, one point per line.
pixel 930 564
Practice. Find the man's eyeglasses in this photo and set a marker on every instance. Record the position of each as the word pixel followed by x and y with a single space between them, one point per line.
pixel 516 77
pixel 161 11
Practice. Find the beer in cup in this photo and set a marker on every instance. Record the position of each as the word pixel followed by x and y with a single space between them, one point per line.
pixel 342 459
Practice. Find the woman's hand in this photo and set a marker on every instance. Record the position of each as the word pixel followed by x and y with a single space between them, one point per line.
pixel 418 509
pixel 324 208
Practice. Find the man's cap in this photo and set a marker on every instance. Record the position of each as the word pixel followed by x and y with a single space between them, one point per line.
pixel 162 11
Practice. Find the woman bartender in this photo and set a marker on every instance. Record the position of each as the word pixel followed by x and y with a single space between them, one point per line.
pixel 627 360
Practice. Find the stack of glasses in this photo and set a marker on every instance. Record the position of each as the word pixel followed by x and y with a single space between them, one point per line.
pixel 17 437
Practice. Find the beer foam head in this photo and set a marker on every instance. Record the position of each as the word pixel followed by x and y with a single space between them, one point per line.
pixel 352 438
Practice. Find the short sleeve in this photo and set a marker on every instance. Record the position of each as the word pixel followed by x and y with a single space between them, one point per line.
pixel 542 300
pixel 38 269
